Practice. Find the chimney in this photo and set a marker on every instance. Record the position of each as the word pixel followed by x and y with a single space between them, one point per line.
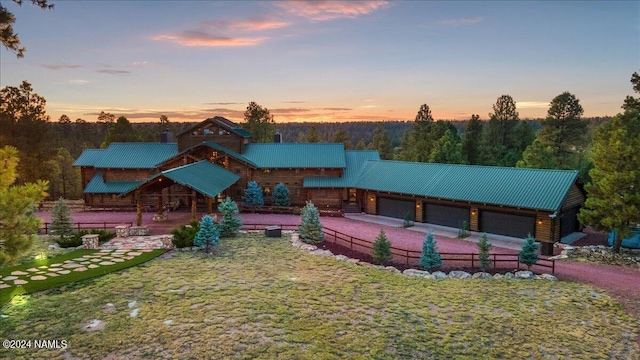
pixel 166 136
pixel 277 138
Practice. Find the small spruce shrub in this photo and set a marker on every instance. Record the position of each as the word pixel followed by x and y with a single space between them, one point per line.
pixel 463 232
pixel 183 236
pixel 208 234
pixel 310 228
pixel 529 253
pixel 230 223
pixel 408 220
pixel 281 195
pixel 61 223
pixel 430 258
pixel 382 249
pixel 253 195
pixel 484 255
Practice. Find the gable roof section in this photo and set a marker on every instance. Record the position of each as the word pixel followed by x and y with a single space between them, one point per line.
pixel 98 186
pixel 89 157
pixel 355 160
pixel 223 123
pixel 135 155
pixel 203 177
pixel 229 152
pixel 515 187
pixel 296 155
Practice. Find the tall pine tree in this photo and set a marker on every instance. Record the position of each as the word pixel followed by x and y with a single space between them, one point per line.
pixel 61 223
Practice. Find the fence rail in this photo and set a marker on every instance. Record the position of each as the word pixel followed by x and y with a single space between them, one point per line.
pixel 104 225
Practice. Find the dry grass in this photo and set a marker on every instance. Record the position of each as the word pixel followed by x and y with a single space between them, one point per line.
pixel 261 298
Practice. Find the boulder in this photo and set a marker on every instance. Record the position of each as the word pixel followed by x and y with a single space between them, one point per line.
pixel 308 247
pixel 439 275
pixel 342 257
pixel 353 261
pixel 548 277
pixel 482 275
pixel 415 272
pixel 321 252
pixel 392 269
pixel 524 275
pixel 509 276
pixel 498 276
pixel 459 275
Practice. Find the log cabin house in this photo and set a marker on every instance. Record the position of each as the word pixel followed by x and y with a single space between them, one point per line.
pixel 216 158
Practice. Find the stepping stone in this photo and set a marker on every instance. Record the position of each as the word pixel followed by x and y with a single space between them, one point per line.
pixel 18 272
pixel 78 259
pixel 128 257
pixel 42 267
pixel 38 277
pixel 55 265
pixel 107 263
pixel 96 260
pixel 118 260
pixel 67 261
pixel 54 269
pixel 135 253
pixel 40 272
pixel 134 313
pixel 33 270
pixel 80 269
pixel 51 274
pixel 20 282
pixel 146 250
pixel 93 266
pixel 71 266
pixel 3 286
pixel 8 278
pixel 64 272
pixel 85 262
pixel 105 251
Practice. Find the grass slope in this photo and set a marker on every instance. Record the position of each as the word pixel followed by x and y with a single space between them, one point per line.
pixel 261 298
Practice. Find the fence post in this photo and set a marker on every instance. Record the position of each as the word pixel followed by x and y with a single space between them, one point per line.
pixel 407 257
pixel 494 261
pixel 472 258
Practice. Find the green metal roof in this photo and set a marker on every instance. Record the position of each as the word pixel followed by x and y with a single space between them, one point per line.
pixel 296 155
pixel 229 152
pixel 202 176
pixel 89 157
pixel 355 160
pixel 135 155
pixel 515 187
pixel 222 122
pixel 97 185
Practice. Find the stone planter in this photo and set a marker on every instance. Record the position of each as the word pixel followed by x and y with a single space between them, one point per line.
pixel 90 241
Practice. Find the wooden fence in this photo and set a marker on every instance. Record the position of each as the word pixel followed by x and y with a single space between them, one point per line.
pixel 104 225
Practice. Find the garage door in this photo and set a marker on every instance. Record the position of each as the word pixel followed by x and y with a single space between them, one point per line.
pixel 396 208
pixel 569 221
pixel 451 216
pixel 507 224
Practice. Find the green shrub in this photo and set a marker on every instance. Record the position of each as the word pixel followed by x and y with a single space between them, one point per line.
pixel 484 255
pixel 183 236
pixel 463 232
pixel 408 220
pixel 430 258
pixel 529 253
pixel 310 228
pixel 382 249
pixel 61 223
pixel 281 195
pixel 75 240
pixel 231 222
pixel 208 234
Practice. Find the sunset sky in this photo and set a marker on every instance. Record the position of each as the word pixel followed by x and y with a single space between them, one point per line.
pixel 323 60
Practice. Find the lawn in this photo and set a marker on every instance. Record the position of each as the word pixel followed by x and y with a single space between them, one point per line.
pixel 262 298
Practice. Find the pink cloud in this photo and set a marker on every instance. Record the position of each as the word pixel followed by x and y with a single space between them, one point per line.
pixel 205 39
pixel 250 25
pixel 329 10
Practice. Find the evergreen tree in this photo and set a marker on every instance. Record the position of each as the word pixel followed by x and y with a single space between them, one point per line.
pixel 382 143
pixel 281 195
pixel 61 223
pixel 484 255
pixel 253 195
pixel 361 145
pixel 563 130
pixel 382 249
pixel 342 137
pixel 529 253
pixel 231 222
pixel 121 131
pixel 447 149
pixel 430 258
pixel 313 136
pixel 18 224
pixel 471 141
pixel 420 144
pixel 537 156
pixel 259 122
pixel 500 142
pixel 613 196
pixel 310 228
pixel 208 234
pixel 630 102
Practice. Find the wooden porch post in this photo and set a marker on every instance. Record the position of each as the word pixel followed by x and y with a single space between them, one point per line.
pixel 159 205
pixel 138 208
pixel 209 205
pixel 193 205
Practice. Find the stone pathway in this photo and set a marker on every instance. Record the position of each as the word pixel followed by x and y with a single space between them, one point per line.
pixel 104 257
pixel 135 242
